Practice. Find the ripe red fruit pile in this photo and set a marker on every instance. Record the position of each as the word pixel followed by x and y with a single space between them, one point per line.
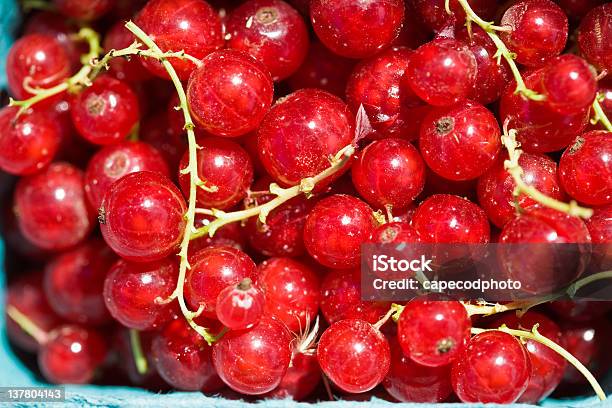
pixel 102 183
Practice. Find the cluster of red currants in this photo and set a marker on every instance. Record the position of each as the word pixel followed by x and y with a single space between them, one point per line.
pixel 277 91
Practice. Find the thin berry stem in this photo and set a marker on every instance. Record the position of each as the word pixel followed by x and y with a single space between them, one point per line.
pixel 536 336
pixel 192 170
pixel 140 360
pixel 599 115
pixel 27 325
pixel 515 170
pixel 472 16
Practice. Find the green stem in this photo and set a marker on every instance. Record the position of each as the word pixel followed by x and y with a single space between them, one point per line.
pixel 27 325
pixel 140 360
pixel 536 336
pixel 192 170
pixel 600 115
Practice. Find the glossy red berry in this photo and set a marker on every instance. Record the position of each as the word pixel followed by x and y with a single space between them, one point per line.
pixel 51 24
pixel 74 281
pixel 28 142
pixel 132 70
pixel 111 163
pixel 192 26
pixel 105 112
pixel 600 225
pixel 83 10
pixel 538 31
pixel 72 355
pixel 300 132
pixel 142 216
pixel 183 358
pixel 354 355
pixel 491 77
pixel 301 379
pixel 254 361
pixel 212 270
pixel 433 12
pixel 51 207
pixel 136 293
pixel 442 72
pixel 408 381
pixel 229 94
pixel 460 142
pixel 539 128
pixel 445 218
pixel 433 332
pixel 356 29
pixel 375 84
pixel 547 366
pixel 292 292
pixel 585 169
pixel 594 35
pixel 322 69
pixel 569 84
pixel 221 163
pixel 496 186
pixel 36 60
pixel 240 306
pixel 494 368
pixel 26 295
pixel 389 172
pixel 589 342
pixel 542 224
pixel 271 31
pixel 341 298
pixel 335 229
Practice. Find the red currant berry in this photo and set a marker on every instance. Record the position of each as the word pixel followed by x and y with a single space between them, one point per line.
pixel 579 310
pixel 300 132
pixel 494 368
pixel 142 216
pixel 394 232
pixel 496 186
pixel 389 172
pixel 538 31
pixel 460 142
pixel 547 366
pixel 113 162
pixel 51 207
pixel 301 379
pixel 595 35
pixel 357 29
pixel 27 296
pixel 569 84
pixel 433 332
pixel 589 342
pixel 229 94
pixel 136 293
pixel 212 270
pixel 600 225
pixel 322 69
pixel 28 142
pixel 585 169
pixel 433 12
pixel 183 358
pixel 335 229
pixel 83 10
pixel 254 361
pixel 354 355
pixel 72 355
pixel 74 281
pixel 223 164
pixel 189 25
pixel 442 72
pixel 132 70
pixel 408 381
pixel 540 129
pixel 491 77
pixel 445 218
pixel 105 112
pixel 38 61
pixel 577 9
pixel 292 292
pixel 375 84
pixel 272 32
pixel 51 24
pixel 341 298
pixel 240 306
